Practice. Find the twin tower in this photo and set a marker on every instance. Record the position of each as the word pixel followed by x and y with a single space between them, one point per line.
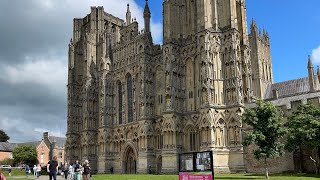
pixel 134 105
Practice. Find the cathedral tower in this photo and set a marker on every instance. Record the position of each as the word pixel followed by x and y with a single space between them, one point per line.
pixel 261 62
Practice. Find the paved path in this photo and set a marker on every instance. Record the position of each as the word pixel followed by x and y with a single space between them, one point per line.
pixel 43 177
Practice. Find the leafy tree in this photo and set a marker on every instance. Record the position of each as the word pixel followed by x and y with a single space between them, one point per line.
pixel 304 131
pixel 3 136
pixel 266 131
pixel 25 155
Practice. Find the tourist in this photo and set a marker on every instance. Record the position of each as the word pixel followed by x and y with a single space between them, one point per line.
pixel 2 176
pixel 27 169
pixel 9 170
pixel 71 171
pixel 38 169
pixel 77 171
pixel 65 170
pixel 52 168
pixel 86 170
pixel 34 170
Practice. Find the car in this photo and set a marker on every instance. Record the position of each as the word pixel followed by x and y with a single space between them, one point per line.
pixel 5 166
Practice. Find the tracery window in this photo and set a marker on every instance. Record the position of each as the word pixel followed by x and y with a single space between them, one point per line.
pixel 129 96
pixel 192 139
pixel 120 102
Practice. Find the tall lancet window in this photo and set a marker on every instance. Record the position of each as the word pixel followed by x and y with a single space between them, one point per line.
pixel 120 102
pixel 129 96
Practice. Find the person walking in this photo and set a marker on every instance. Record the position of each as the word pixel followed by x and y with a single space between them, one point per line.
pixel 66 170
pixel 86 170
pixel 34 169
pixel 38 169
pixel 27 169
pixel 9 170
pixel 71 171
pixel 77 171
pixel 52 168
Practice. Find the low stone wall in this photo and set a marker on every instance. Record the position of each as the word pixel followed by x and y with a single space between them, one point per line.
pixel 276 165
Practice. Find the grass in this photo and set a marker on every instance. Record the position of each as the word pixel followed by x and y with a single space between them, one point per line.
pixel 220 176
pixel 175 177
pixel 14 172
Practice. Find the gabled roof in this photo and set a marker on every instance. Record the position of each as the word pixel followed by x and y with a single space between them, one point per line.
pixel 60 141
pixel 7 147
pixel 288 88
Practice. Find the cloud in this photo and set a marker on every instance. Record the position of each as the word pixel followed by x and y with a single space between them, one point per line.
pixel 45 72
pixel 316 55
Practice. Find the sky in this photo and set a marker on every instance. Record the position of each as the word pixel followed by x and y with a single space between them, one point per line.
pixel 34 37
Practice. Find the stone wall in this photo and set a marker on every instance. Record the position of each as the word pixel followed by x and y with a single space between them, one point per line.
pixel 276 165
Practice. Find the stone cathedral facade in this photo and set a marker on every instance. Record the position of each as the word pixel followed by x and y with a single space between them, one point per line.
pixel 135 105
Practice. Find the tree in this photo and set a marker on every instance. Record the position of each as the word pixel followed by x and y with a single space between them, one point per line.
pixel 25 155
pixel 266 131
pixel 3 136
pixel 304 131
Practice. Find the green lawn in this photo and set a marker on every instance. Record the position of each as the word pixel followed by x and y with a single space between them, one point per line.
pixel 221 176
pixel 15 172
pixel 175 177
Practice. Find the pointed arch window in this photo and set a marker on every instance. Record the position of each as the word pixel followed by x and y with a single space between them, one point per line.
pixel 120 102
pixel 129 96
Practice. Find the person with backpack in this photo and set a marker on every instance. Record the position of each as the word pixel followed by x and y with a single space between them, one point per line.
pixel 52 168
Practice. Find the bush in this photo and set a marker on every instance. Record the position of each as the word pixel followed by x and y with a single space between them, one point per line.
pixel 7 162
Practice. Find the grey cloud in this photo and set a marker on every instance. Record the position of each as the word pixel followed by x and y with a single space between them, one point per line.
pixel 25 107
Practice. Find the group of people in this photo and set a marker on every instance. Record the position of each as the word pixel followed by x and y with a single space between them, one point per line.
pixel 75 170
pixel 36 170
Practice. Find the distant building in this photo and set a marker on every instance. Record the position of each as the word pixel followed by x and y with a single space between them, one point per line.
pixel 6 150
pixel 50 146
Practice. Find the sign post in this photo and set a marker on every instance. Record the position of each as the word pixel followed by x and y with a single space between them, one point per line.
pixel 196 166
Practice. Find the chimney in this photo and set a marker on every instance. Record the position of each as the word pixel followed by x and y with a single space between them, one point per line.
pixel 45 135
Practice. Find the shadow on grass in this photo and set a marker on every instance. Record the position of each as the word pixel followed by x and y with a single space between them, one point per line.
pixel 226 177
pixel 287 175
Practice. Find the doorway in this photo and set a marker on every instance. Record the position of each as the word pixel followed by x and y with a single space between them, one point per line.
pixel 130 162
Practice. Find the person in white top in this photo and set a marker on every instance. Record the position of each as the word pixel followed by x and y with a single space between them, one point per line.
pixel 71 171
pixel 35 170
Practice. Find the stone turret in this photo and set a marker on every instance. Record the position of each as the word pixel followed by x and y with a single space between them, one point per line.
pixel 313 79
pixel 147 17
pixel 128 15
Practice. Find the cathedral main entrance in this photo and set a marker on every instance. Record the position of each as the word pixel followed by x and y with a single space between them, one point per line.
pixel 130 162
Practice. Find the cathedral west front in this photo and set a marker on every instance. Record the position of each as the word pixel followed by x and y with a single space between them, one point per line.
pixel 135 105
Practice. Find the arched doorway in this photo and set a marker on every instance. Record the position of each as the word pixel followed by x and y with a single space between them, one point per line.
pixel 130 162
pixel 159 164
